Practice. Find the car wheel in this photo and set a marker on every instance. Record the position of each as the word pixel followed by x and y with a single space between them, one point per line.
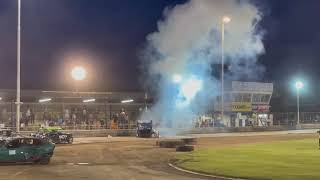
pixel 70 141
pixel 44 160
pixel 185 148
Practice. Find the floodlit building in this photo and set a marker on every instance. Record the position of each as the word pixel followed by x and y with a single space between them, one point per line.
pixel 246 104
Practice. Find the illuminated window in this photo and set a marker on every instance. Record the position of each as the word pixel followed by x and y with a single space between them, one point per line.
pixel 265 98
pixel 256 98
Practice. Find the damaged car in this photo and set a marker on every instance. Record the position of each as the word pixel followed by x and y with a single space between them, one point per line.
pixel 26 150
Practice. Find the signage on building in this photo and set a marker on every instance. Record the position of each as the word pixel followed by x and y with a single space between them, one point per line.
pixel 241 107
pixel 260 108
pixel 252 86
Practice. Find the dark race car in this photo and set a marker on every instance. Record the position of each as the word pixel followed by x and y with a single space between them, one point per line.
pixel 25 150
pixel 145 129
pixel 54 134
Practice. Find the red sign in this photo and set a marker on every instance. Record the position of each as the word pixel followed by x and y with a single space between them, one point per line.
pixel 260 108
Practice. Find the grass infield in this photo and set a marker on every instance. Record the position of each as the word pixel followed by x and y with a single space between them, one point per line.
pixel 293 159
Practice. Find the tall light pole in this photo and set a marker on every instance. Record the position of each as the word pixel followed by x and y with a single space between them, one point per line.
pixel 299 85
pixel 225 20
pixel 18 67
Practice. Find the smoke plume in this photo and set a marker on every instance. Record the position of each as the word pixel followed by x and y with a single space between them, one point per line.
pixel 177 62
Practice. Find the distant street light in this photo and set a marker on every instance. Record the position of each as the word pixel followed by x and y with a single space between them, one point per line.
pixel 225 20
pixel 176 78
pixel 89 100
pixel 44 100
pixel 78 73
pixel 18 103
pixel 299 85
pixel 127 101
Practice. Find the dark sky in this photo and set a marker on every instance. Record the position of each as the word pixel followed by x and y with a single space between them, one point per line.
pixel 107 35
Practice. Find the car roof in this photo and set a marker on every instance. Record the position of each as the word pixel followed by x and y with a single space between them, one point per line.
pixel 21 137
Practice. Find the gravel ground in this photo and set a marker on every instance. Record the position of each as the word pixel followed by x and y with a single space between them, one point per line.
pixel 126 158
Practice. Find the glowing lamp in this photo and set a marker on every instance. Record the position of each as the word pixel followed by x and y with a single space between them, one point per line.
pixel 299 85
pixel 226 19
pixel 78 73
pixel 177 78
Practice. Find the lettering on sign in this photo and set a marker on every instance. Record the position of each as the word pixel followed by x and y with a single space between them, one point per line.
pixel 260 108
pixel 241 107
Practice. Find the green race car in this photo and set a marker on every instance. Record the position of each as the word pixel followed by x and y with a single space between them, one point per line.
pixel 25 150
pixel 54 134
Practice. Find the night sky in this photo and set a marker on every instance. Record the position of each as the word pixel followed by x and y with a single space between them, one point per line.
pixel 107 36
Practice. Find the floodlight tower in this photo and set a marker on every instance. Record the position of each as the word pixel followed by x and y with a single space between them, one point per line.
pixel 225 20
pixel 18 103
pixel 298 85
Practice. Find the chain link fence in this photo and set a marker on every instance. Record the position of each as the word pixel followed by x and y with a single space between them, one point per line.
pixel 290 118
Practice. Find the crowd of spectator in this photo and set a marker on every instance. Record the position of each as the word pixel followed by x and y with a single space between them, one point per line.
pixel 73 117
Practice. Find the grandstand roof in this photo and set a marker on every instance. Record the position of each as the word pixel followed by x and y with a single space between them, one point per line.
pixel 8 95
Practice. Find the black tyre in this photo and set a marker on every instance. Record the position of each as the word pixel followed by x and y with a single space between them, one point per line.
pixel 169 143
pixel 70 140
pixel 190 141
pixel 184 148
pixel 44 160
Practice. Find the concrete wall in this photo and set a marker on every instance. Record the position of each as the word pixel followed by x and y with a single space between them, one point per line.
pixel 236 129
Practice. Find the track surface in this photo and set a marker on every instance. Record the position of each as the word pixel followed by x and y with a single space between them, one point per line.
pixel 121 158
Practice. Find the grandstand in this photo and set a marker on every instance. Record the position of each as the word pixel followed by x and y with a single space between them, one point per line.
pixel 72 108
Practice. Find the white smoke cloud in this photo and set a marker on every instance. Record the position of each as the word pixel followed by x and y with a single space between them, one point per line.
pixel 188 42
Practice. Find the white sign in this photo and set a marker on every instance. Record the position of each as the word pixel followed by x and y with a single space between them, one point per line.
pixel 252 86
pixel 12 152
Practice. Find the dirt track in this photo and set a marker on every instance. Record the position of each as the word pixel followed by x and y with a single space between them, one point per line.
pixel 120 158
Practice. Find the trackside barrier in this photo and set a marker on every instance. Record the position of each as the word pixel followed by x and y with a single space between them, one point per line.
pixel 181 131
pixel 95 133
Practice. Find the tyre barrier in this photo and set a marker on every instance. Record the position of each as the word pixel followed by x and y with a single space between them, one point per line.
pixel 190 141
pixel 169 143
pixel 184 148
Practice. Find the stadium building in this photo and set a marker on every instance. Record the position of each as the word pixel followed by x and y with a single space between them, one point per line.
pixel 246 104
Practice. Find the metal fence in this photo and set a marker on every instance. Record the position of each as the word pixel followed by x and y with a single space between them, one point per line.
pixel 290 118
pixel 72 115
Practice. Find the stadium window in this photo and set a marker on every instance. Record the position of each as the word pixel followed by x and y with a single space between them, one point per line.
pixel 256 98
pixel 265 98
pixel 218 99
pixel 228 97
pixel 246 97
pixel 237 97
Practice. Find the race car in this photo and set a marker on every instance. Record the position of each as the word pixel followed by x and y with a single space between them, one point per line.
pixel 25 150
pixel 54 135
pixel 145 129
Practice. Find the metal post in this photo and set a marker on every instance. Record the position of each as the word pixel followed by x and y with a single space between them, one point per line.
pixel 18 67
pixel 298 108
pixel 222 70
